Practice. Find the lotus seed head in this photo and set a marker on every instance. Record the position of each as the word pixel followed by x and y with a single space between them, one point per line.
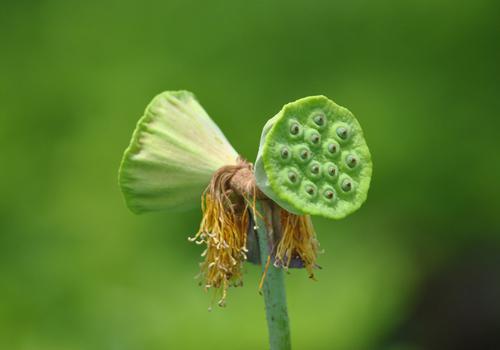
pixel 319 119
pixel 351 161
pixel 314 160
pixel 342 132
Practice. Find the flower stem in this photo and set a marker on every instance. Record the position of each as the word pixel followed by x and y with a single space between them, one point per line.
pixel 274 282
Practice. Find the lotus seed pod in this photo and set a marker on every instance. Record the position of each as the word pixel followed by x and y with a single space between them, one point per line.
pixel 174 151
pixel 327 168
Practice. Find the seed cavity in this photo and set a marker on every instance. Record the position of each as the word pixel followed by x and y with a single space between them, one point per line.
pixel 295 129
pixel 319 120
pixel 310 190
pixel 331 170
pixel 285 153
pixel 315 169
pixel 292 176
pixel 351 161
pixel 329 194
pixel 315 138
pixel 346 185
pixel 333 148
pixel 304 154
pixel 342 132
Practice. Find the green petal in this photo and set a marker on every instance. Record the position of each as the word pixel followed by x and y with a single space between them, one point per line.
pixel 313 159
pixel 173 153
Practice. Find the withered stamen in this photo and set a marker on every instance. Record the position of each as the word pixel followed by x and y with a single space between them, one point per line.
pixel 299 240
pixel 223 228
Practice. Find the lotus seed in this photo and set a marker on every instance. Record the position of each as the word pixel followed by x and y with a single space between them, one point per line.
pixel 342 132
pixel 304 154
pixel 315 138
pixel 351 161
pixel 346 185
pixel 315 169
pixel 332 148
pixel 310 190
pixel 329 194
pixel 285 153
pixel 295 129
pixel 319 119
pixel 331 170
pixel 292 176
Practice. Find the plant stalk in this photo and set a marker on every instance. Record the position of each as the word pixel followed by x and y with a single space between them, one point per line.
pixel 274 282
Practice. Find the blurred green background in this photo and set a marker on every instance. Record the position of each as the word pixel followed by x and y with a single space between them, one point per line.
pixel 79 271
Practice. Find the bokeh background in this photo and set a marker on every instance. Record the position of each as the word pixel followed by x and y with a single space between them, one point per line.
pixel 416 268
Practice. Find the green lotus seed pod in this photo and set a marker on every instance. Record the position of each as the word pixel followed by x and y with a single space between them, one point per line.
pixel 174 151
pixel 313 159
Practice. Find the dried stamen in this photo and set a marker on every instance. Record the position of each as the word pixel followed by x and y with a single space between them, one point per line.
pixel 298 241
pixel 223 229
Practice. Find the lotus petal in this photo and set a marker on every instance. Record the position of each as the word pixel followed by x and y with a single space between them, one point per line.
pixel 173 153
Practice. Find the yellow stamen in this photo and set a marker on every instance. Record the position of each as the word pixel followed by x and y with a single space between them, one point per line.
pixel 263 278
pixel 223 229
pixel 298 241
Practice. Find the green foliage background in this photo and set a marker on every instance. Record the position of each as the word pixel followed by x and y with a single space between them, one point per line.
pixel 79 271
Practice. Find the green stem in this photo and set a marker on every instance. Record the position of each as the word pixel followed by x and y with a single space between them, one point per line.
pixel 274 282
